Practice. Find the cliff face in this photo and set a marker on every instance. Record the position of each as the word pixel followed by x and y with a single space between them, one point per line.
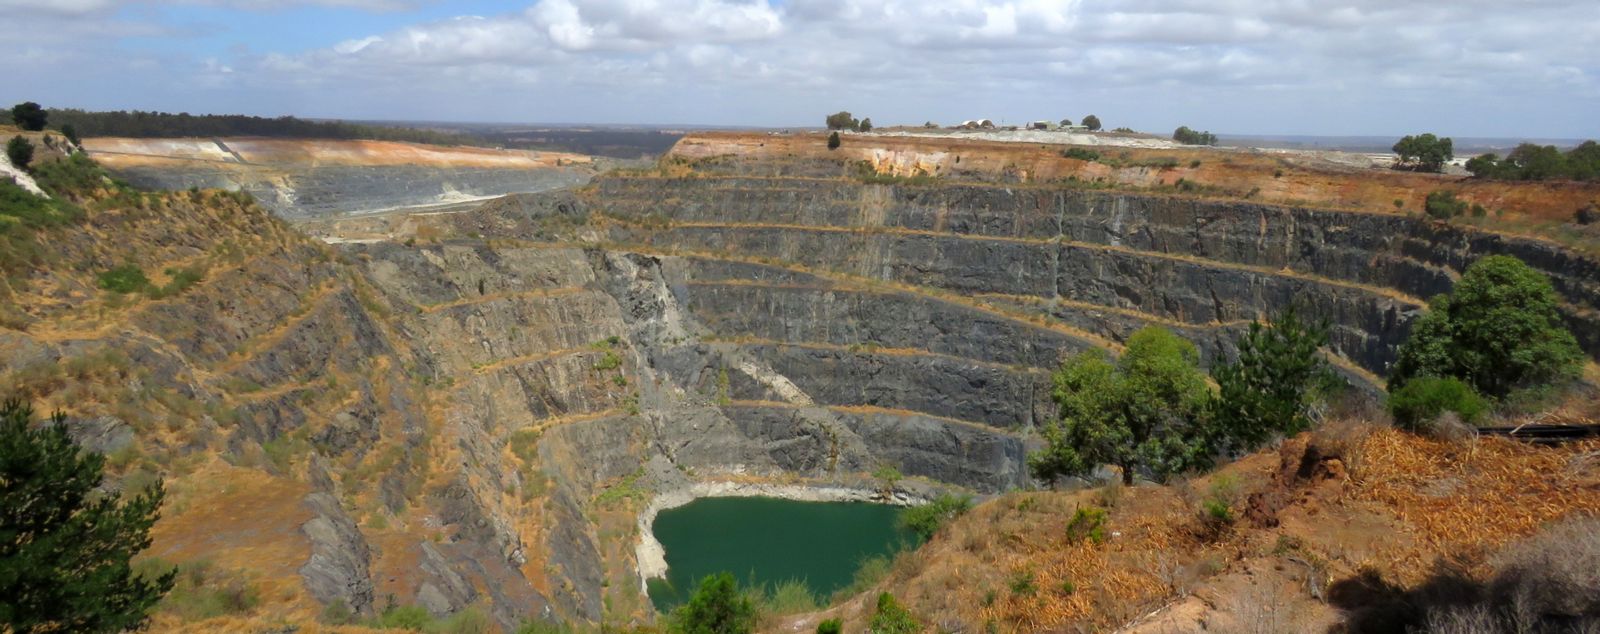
pixel 468 409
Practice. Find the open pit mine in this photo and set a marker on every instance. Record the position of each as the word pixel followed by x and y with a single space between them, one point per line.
pixel 468 379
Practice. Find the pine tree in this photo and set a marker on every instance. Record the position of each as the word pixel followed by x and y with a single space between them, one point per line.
pixel 64 546
pixel 1273 386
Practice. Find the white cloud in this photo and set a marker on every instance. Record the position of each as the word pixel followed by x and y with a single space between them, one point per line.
pixel 1344 66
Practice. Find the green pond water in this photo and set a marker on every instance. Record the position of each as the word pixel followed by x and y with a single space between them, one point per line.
pixel 768 540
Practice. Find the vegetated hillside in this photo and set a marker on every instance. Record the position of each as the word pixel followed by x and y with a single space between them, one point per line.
pixel 468 412
pixel 1355 527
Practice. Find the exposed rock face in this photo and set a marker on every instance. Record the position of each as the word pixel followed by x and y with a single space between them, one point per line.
pixel 478 414
pixel 337 570
pixel 1194 264
pixel 314 179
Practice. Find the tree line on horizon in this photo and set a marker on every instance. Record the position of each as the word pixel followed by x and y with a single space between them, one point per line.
pixel 1428 152
pixel 142 124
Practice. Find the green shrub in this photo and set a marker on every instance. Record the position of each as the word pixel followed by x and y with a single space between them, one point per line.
pixel 1022 584
pixel 717 607
pixel 1422 400
pixel 20 151
pixel 338 612
pixel 925 520
pixel 1444 205
pixel 1217 511
pixel 202 591
pixel 73 177
pixel 1500 329
pixel 128 278
pixel 469 621
pixel 182 280
pixel 18 207
pixel 833 140
pixel 888 477
pixel 892 618
pixel 830 626
pixel 1088 522
pixel 1081 154
pixel 404 617
pixel 788 597
pixel 610 361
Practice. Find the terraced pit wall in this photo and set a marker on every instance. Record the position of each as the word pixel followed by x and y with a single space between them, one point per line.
pixel 471 408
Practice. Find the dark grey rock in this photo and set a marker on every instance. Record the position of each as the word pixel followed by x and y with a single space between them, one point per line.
pixel 337 569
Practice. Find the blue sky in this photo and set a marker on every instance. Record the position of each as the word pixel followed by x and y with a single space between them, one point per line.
pixel 1527 68
pixel 216 31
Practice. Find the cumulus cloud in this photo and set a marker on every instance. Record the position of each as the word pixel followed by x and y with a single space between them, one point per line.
pixel 1242 65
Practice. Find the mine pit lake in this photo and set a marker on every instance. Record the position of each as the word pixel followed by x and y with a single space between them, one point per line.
pixel 767 541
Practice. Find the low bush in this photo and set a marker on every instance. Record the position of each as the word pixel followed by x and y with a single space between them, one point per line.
pixel 338 612
pixel 610 361
pixel 1423 399
pixel 925 520
pixel 871 571
pixel 403 617
pixel 128 278
pixel 892 618
pixel 20 151
pixel 18 207
pixel 1081 154
pixel 830 626
pixel 73 177
pixel 1022 584
pixel 787 597
pixel 1443 205
pixel 1088 522
pixel 182 280
pixel 202 591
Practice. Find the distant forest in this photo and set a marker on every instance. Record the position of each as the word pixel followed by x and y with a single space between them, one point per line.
pixel 165 124
pixel 619 143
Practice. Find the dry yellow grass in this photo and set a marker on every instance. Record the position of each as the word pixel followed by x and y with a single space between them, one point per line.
pixel 1156 551
pixel 1472 498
